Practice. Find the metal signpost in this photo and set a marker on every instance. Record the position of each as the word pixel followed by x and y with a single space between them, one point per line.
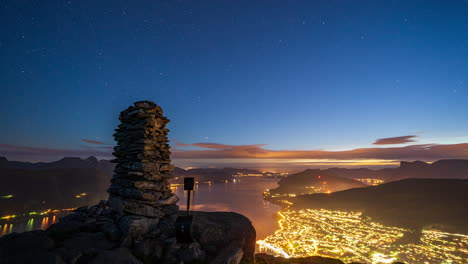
pixel 184 223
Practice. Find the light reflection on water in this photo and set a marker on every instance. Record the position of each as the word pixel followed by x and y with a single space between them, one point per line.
pixel 245 196
pixel 27 224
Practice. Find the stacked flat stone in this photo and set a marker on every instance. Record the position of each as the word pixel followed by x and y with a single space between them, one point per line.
pixel 143 166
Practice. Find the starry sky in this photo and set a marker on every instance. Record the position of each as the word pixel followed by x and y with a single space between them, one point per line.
pixel 244 82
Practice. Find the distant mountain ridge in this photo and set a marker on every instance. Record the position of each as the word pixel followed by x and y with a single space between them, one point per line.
pixel 42 189
pixel 314 180
pixel 42 185
pixel 414 203
pixel 442 169
pixel 107 167
pixel 65 163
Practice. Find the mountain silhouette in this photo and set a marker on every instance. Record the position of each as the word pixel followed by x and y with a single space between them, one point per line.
pixel 414 203
pixel 314 180
pixel 442 169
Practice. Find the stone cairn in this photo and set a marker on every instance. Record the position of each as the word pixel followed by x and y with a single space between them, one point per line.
pixel 143 166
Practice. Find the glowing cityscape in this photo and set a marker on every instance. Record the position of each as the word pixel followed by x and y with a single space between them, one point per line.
pixel 368 181
pixel 350 236
pixel 46 218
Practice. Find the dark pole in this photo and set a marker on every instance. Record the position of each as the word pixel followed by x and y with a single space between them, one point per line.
pixel 189 183
pixel 184 223
pixel 188 203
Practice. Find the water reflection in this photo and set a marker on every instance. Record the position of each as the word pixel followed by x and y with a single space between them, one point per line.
pixel 4 229
pixel 28 224
pixel 45 222
pixel 244 196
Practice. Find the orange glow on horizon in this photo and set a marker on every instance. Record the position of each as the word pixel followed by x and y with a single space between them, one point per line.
pixel 287 164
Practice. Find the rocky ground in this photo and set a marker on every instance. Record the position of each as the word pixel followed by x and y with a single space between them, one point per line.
pixel 98 234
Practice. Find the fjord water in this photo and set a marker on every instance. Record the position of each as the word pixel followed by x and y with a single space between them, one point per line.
pixel 244 196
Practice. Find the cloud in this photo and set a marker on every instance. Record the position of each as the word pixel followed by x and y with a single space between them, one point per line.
pixel 256 153
pixel 428 152
pixel 395 140
pixel 218 146
pixel 178 144
pixel 233 151
pixel 90 141
pixel 212 146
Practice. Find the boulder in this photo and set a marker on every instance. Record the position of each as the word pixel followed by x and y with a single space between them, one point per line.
pixel 226 237
pixel 88 241
pixel 29 247
pixel 192 253
pixel 149 250
pixel 69 225
pixel 115 256
pixel 134 228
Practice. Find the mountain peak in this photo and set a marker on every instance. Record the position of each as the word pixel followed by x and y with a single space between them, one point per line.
pixel 92 159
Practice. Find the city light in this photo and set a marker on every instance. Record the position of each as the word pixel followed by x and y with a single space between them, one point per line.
pixel 81 195
pixel 352 237
pixel 8 217
pixel 369 181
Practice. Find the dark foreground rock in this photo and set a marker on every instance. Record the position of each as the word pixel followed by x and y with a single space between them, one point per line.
pixel 229 237
pixel 98 234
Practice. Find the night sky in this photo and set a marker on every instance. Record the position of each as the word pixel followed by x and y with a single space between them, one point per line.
pixel 312 80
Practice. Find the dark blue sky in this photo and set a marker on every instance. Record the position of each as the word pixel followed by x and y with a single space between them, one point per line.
pixel 296 75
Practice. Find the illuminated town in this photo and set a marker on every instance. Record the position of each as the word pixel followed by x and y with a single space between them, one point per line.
pixel 350 236
pixel 46 218
pixel 261 174
pixel 369 181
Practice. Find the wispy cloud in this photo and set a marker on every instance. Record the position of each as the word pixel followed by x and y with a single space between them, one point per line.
pixel 230 151
pixel 218 146
pixel 395 140
pixel 90 141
